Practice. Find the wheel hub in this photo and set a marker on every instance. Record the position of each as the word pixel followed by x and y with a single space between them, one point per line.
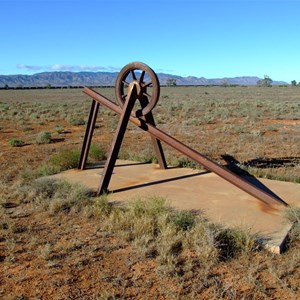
pixel 139 88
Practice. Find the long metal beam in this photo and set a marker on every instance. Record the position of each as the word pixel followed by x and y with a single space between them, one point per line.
pixel 191 153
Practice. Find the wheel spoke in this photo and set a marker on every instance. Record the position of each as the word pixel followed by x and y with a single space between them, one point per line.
pixel 148 95
pixel 148 84
pixel 133 74
pixel 125 82
pixel 124 97
pixel 142 76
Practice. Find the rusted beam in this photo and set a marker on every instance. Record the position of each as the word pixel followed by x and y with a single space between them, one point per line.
pixel 117 140
pixel 191 153
pixel 88 135
pixel 155 142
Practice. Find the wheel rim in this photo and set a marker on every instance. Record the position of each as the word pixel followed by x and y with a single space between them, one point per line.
pixel 147 85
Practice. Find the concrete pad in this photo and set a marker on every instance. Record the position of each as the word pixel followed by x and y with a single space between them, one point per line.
pixel 187 189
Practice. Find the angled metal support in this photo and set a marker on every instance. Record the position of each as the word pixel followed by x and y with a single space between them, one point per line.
pixel 118 138
pixel 88 134
pixel 156 142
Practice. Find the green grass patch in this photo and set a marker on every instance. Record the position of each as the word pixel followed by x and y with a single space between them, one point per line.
pixel 97 152
pixel 183 220
pixel 61 161
pixel 43 137
pixel 77 121
pixel 16 142
pixel 235 241
pixel 60 196
pixel 66 159
pixel 59 129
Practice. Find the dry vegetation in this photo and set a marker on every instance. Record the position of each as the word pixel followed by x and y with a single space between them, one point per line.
pixel 58 241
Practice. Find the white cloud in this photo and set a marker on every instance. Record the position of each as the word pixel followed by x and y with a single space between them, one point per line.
pixel 28 67
pixel 73 68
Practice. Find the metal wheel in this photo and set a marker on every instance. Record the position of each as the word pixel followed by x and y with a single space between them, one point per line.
pixel 147 86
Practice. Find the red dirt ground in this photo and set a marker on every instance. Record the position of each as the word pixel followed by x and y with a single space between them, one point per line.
pixel 70 256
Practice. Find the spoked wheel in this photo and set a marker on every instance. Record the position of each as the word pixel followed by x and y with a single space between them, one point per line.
pixel 147 85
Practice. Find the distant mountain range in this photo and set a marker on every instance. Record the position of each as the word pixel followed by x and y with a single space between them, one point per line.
pixel 59 79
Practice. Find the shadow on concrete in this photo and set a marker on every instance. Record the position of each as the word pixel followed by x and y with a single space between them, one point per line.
pixel 157 182
pixel 132 164
pixel 233 165
pixel 101 164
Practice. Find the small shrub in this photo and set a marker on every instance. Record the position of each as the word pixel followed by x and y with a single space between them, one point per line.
pixel 43 170
pixel 292 214
pixel 145 156
pixel 43 137
pixel 77 121
pixel 60 161
pixel 183 220
pixel 45 251
pixel 45 188
pixel 16 142
pixel 152 206
pixel 139 219
pixel 69 196
pixel 27 128
pixel 65 160
pixel 59 195
pixel 202 239
pixel 101 207
pixel 235 241
pixel 96 152
pixel 59 129
pixel 169 248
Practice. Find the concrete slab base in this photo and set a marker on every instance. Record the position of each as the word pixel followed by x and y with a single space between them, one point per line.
pixel 188 189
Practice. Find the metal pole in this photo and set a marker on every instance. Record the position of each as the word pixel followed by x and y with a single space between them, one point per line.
pixel 156 142
pixel 88 134
pixel 117 141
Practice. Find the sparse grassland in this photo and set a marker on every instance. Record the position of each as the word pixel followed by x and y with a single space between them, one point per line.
pixel 144 247
pixel 58 241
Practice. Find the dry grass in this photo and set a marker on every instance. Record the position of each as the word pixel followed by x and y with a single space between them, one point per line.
pixel 186 248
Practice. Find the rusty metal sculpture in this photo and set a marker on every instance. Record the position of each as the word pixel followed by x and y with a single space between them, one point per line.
pixel 138 82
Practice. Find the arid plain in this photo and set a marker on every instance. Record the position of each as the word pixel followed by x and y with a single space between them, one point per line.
pixel 57 241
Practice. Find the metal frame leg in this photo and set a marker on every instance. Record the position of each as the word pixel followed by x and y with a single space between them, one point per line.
pixel 156 143
pixel 88 135
pixel 117 141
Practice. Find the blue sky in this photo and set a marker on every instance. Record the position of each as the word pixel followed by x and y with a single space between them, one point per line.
pixel 213 39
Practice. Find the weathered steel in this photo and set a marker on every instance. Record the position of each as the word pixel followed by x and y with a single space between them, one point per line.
pixel 191 153
pixel 147 79
pixel 88 134
pixel 156 142
pixel 118 138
